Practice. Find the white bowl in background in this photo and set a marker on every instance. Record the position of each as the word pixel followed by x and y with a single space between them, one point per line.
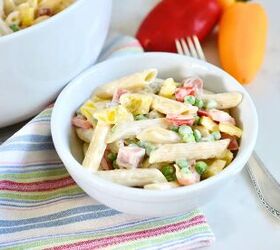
pixel 37 62
pixel 140 201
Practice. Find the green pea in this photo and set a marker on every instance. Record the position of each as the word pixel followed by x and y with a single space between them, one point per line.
pixel 140 117
pixel 169 172
pixel 182 163
pixel 200 167
pixel 190 99
pixel 196 120
pixel 149 147
pixel 174 128
pixel 185 171
pixel 197 135
pixel 111 156
pixel 141 144
pixel 14 27
pixel 216 135
pixel 115 165
pixel 188 138
pixel 210 138
pixel 211 104
pixel 199 103
pixel 185 130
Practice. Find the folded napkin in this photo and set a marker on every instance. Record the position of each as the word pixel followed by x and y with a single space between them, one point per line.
pixel 41 207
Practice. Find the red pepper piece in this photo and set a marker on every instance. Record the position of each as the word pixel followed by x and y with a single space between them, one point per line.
pixel 233 145
pixel 201 112
pixel 105 164
pixel 172 19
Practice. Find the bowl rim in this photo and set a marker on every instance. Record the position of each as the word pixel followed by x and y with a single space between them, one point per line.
pixel 68 159
pixel 52 19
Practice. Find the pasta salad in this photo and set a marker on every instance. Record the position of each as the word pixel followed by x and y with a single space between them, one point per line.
pixel 19 14
pixel 142 131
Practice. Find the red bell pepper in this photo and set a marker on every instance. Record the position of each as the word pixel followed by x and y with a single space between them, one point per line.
pixel 233 145
pixel 172 19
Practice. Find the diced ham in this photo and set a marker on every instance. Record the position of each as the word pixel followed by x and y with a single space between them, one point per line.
pixel 118 93
pixel 191 86
pixel 233 145
pixel 81 122
pixel 178 120
pixel 201 112
pixel 186 179
pixel 196 175
pixel 44 12
pixel 105 164
pixel 181 93
pixel 221 116
pixel 129 157
pixel 194 83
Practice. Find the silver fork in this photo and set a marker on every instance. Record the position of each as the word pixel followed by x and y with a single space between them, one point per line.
pixel 266 186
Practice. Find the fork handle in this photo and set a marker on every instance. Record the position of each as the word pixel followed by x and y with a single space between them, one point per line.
pixel 265 184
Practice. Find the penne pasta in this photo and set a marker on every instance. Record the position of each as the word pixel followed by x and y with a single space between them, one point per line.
pixel 162 186
pixel 230 129
pixel 13 18
pixel 163 134
pixel 169 106
pixel 130 129
pixel 224 100
pixel 189 151
pixel 158 135
pixel 84 134
pixel 1 8
pixel 214 168
pixel 136 103
pixel 133 177
pixel 97 147
pixel 9 6
pixel 132 82
pixel 85 148
pixel 113 115
pixel 89 107
pixel 4 28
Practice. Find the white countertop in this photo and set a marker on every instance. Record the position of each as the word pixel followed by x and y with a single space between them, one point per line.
pixel 236 216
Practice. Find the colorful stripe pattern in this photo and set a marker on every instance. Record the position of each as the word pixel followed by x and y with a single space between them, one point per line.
pixel 41 207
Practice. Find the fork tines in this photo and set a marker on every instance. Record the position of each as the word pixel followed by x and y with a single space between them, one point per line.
pixel 190 47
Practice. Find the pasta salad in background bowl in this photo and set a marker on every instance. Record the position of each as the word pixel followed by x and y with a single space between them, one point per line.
pixel 43 45
pixel 156 130
pixel 20 14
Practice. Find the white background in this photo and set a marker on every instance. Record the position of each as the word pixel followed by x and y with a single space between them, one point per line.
pixel 236 216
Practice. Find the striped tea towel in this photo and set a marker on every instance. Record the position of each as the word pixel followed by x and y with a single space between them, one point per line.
pixel 41 207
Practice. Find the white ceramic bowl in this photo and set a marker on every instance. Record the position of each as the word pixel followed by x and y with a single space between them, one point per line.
pixel 37 62
pixel 139 201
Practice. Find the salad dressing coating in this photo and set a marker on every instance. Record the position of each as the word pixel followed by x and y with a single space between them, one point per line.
pixel 157 134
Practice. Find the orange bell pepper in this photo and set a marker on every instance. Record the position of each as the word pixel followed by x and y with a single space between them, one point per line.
pixel 225 3
pixel 242 40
